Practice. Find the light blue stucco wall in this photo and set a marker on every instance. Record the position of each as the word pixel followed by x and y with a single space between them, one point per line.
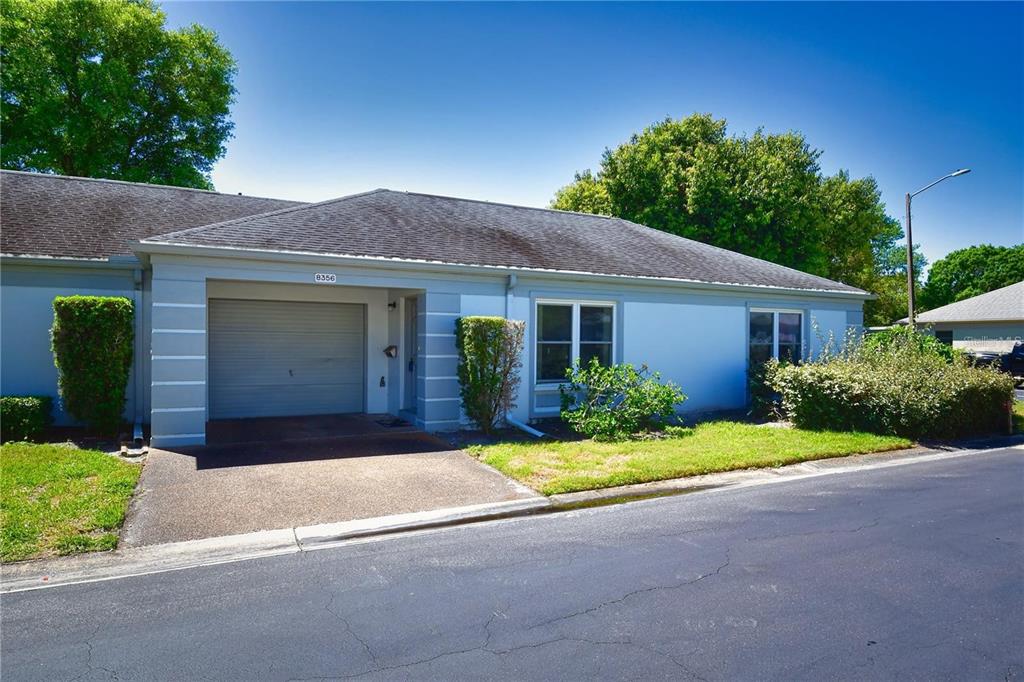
pixel 694 337
pixel 26 315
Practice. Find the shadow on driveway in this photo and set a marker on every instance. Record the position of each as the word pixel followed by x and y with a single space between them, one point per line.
pixel 282 452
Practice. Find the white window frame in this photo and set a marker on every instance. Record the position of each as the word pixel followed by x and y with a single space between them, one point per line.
pixel 574 353
pixel 775 329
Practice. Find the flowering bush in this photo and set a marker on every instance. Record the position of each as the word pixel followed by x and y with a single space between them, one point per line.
pixel 618 401
pixel 902 386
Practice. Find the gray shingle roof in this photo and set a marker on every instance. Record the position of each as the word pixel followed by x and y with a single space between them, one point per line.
pixel 1002 304
pixel 60 216
pixel 420 227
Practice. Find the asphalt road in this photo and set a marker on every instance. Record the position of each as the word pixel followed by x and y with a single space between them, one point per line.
pixel 914 571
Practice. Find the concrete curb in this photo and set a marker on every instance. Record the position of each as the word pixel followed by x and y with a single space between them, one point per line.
pixel 173 556
pixel 33 575
pixel 333 533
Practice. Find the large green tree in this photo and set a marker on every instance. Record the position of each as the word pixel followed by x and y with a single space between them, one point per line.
pixel 763 195
pixel 101 88
pixel 970 272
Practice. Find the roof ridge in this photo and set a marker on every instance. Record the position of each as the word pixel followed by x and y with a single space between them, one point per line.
pixel 112 181
pixel 501 203
pixel 243 219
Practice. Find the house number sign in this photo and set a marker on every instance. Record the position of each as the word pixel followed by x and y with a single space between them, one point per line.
pixel 325 278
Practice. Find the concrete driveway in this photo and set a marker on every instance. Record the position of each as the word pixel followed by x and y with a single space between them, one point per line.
pixel 193 493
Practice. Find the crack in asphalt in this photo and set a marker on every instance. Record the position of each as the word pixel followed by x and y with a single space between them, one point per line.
pixel 348 628
pixel 488 636
pixel 89 667
pixel 834 531
pixel 511 650
pixel 628 595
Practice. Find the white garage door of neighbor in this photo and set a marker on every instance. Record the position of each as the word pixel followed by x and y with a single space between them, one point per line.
pixel 285 358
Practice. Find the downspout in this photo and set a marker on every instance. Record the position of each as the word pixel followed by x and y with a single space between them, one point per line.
pixel 512 421
pixel 510 286
pixel 139 389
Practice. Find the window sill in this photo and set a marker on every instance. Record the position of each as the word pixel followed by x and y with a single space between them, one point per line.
pixel 548 387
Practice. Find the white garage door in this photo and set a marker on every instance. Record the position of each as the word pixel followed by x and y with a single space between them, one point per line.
pixel 284 358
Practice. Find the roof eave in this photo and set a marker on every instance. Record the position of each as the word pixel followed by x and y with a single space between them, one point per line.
pixel 145 247
pixel 976 320
pixel 126 262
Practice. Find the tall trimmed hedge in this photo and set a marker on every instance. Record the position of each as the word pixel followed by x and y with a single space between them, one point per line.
pixel 92 342
pixel 490 355
pixel 902 387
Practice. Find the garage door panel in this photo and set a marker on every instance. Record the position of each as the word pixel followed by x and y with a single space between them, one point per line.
pixel 273 344
pixel 281 401
pixel 280 358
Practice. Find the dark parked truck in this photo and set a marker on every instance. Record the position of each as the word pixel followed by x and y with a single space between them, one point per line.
pixel 1012 362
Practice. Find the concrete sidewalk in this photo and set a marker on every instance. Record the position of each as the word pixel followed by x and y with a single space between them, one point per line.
pixel 29 575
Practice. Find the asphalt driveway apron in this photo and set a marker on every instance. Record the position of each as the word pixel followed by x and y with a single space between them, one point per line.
pixel 200 492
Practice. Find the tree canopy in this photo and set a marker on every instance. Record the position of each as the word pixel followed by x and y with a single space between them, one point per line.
pixel 763 195
pixel 104 89
pixel 970 272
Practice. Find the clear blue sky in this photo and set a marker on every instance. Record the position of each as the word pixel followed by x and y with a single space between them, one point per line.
pixel 505 101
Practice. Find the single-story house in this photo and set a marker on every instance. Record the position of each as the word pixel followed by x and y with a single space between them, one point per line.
pixel 990 322
pixel 252 307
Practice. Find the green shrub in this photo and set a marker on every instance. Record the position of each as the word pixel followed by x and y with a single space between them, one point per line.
pixel 490 351
pixel 24 417
pixel 907 335
pixel 92 348
pixel 616 402
pixel 902 387
pixel 764 400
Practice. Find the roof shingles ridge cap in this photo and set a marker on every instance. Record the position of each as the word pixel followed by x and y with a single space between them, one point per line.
pixel 159 238
pixel 501 203
pixel 146 185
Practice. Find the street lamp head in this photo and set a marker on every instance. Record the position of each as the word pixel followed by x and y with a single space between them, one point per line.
pixel 962 171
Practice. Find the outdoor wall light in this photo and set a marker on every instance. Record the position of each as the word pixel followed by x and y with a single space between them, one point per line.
pixel 391 351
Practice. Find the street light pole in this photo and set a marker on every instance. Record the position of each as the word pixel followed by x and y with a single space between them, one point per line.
pixel 910 243
pixel 910 266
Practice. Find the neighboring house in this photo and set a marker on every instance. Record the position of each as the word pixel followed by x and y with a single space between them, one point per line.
pixel 989 322
pixel 255 307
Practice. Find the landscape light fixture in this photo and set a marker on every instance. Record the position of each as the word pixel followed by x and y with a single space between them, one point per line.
pixel 910 242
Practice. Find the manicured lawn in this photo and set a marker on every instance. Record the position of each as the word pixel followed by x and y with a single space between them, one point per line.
pixel 57 499
pixel 1018 416
pixel 552 467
